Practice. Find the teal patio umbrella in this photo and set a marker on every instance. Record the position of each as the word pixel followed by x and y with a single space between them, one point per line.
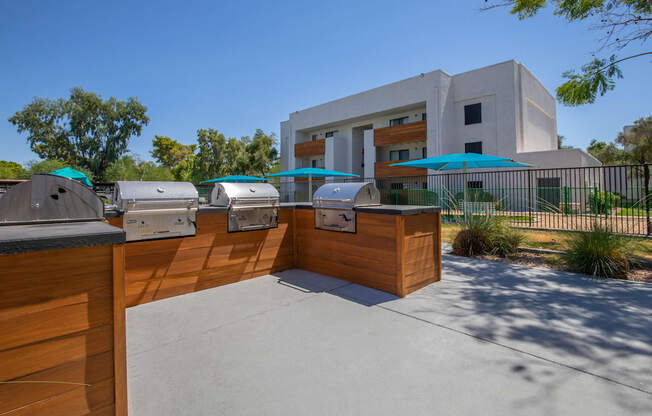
pixel 463 161
pixel 72 174
pixel 309 173
pixel 236 178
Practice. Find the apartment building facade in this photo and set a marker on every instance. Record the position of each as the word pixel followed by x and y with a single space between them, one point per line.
pixel 501 110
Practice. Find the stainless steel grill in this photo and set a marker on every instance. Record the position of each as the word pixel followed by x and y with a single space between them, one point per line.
pixel 156 209
pixel 49 199
pixel 335 204
pixel 252 206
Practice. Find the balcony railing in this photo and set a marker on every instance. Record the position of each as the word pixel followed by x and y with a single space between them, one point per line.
pixel 383 169
pixel 315 147
pixel 403 133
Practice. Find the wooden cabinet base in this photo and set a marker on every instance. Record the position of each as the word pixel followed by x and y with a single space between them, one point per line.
pixel 396 254
pixel 62 349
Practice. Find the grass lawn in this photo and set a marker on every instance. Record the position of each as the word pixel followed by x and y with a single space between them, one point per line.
pixel 553 240
pixel 631 212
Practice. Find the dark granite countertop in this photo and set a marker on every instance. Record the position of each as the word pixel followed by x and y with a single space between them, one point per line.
pixel 39 237
pixel 207 209
pixel 378 209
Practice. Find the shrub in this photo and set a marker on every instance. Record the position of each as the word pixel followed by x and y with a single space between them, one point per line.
pixel 483 234
pixel 475 195
pixel 599 201
pixel 469 242
pixel 506 242
pixel 599 252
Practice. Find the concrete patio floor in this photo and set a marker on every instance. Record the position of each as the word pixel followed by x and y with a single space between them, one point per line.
pixel 491 338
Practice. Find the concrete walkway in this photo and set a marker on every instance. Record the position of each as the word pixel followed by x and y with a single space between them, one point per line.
pixel 490 339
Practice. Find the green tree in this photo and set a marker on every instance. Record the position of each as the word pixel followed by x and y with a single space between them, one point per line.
pixel 130 168
pixel 169 152
pixel 262 153
pixel 637 141
pixel 11 170
pixel 624 24
pixel 210 160
pixel 237 158
pixel 607 153
pixel 83 130
pixel 48 165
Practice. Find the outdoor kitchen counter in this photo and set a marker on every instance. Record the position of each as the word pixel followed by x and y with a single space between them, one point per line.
pixel 159 269
pixel 396 248
pixel 62 319
pixel 37 237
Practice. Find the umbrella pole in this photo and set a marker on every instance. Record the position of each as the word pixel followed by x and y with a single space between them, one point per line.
pixel 309 187
pixel 465 190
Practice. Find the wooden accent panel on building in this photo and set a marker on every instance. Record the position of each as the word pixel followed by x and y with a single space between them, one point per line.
pixel 385 170
pixel 311 148
pixel 367 257
pixel 403 133
pixel 57 313
pixel 164 268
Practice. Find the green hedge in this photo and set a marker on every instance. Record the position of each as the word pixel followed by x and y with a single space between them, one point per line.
pixel 409 197
pixel 601 202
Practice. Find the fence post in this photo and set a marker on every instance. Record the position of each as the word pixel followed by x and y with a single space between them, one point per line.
pixel 646 195
pixel 529 191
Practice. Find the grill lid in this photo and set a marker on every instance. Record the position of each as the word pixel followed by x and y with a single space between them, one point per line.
pixel 140 195
pixel 50 198
pixel 241 195
pixel 346 195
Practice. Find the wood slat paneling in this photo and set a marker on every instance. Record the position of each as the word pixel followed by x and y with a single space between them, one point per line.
pixel 311 148
pixel 56 320
pixel 18 362
pixel 422 251
pixel 385 170
pixel 66 377
pixel 404 133
pixel 160 269
pixel 367 257
pixel 79 401
pixel 119 331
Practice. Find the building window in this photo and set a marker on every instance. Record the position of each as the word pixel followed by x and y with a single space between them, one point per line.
pixel 330 133
pixel 473 147
pixel 474 184
pixel 424 153
pixel 399 154
pixel 423 116
pixel 472 114
pixel 398 121
pixel 397 186
pixel 314 137
pixel 314 163
pixel 425 185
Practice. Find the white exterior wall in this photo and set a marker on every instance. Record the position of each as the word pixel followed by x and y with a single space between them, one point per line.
pixel 518 119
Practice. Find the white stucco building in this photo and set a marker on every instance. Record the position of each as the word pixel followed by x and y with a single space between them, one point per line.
pixel 500 109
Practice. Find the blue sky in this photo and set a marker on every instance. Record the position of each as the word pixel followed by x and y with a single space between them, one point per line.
pixel 237 66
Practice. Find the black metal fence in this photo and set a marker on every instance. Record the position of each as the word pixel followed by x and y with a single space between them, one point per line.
pixel 572 199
